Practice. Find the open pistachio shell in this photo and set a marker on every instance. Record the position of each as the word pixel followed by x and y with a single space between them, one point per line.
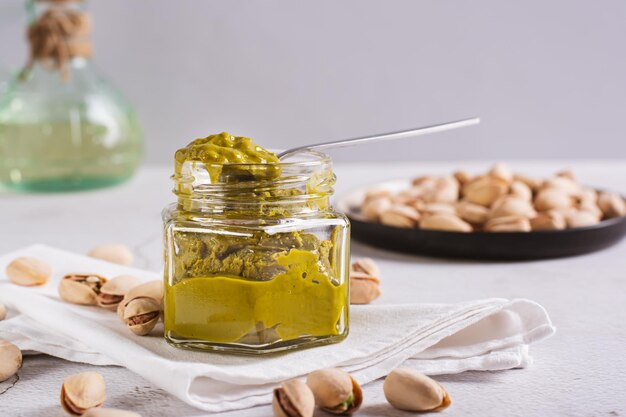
pixel 28 271
pixel 83 391
pixel 335 391
pixel 293 399
pixel 141 315
pixel 81 288
pixel 150 289
pixel 113 291
pixel 410 390
pixel 366 265
pixel 116 253
pixel 10 360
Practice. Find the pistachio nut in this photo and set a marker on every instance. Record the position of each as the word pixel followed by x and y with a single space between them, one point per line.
pixel 113 291
pixel 364 288
pixel 427 209
pixel 424 179
pixel 293 399
pixel 335 391
pixel 410 390
pixel 409 196
pixel 533 183
pixel 400 216
pixel 141 315
pixel 485 190
pixel 567 173
pixel 10 360
pixel 612 205
pixel 445 222
pixel 591 207
pixel 521 190
pixel 552 198
pixel 569 186
pixel 512 206
pixel 376 192
pixel 151 289
pixel 372 209
pixel 81 288
pixel 578 218
pixel 3 312
pixel 473 213
pixel 508 224
pixel 548 220
pixel 109 412
pixel 365 265
pixel 588 194
pixel 28 271
pixel 116 253
pixel 463 177
pixel 81 392
pixel 502 172
pixel 446 190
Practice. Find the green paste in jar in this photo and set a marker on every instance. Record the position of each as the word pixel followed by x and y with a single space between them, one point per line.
pixel 252 289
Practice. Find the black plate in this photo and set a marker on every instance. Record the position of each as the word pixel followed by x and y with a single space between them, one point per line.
pixel 482 245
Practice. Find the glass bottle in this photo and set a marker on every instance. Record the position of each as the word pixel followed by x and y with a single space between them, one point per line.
pixel 62 126
pixel 255 265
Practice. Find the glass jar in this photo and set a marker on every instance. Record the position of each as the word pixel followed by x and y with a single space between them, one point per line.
pixel 62 126
pixel 255 264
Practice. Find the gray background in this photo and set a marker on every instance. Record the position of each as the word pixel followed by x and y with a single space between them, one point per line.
pixel 547 77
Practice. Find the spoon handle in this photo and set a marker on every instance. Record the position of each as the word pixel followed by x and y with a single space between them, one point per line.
pixel 424 130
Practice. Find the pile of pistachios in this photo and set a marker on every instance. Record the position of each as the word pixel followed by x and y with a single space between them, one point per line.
pixel 337 392
pixel 497 201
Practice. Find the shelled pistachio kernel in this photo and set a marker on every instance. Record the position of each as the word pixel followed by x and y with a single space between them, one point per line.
pixel 410 390
pixel 10 360
pixel 81 392
pixel 116 253
pixel 335 391
pixel 293 399
pixel 28 271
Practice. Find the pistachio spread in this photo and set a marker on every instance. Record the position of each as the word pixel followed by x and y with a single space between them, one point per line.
pixel 244 285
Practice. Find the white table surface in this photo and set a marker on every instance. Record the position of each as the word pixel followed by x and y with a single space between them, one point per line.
pixel 581 371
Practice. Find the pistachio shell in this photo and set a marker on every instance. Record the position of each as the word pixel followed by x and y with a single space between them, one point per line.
pixel 113 291
pixel 567 185
pixel 502 172
pixel 409 390
pixel 588 194
pixel 81 288
pixel 533 183
pixel 508 224
pixel 521 190
pixel 473 213
pixel 109 412
pixel 612 205
pixel 424 179
pixel 485 190
pixel 366 265
pixel 376 192
pixel 3 312
pixel 549 220
pixel 408 197
pixel 512 206
pixel 372 209
pixel 364 290
pixel 590 207
pixel 151 289
pixel 567 173
pixel 446 222
pixel 446 190
pixel 335 391
pixel 116 253
pixel 581 219
pixel 293 399
pixel 427 209
pixel 463 177
pixel 83 391
pixel 28 271
pixel 10 360
pixel 141 315
pixel 400 216
pixel 552 198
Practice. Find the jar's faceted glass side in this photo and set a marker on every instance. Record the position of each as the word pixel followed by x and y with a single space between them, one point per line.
pixel 256 275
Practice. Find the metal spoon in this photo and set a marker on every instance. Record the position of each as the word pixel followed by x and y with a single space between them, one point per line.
pixel 424 130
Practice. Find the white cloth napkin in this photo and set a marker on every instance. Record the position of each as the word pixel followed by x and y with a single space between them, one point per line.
pixel 489 334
